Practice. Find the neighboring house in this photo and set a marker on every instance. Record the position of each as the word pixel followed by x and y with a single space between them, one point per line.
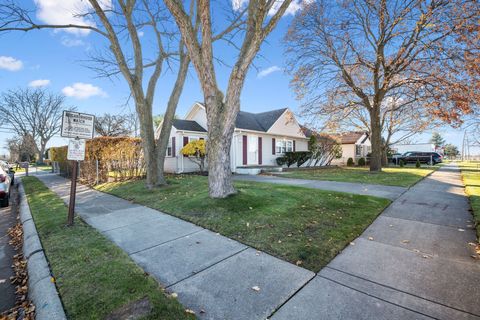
pixel 355 145
pixel 258 139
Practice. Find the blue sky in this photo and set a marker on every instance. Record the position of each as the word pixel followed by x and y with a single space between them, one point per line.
pixel 56 59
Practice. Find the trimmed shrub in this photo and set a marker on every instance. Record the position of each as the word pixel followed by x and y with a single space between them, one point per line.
pixel 402 163
pixel 119 158
pixel 350 162
pixel 298 157
pixel 417 164
pixel 362 162
pixel 281 161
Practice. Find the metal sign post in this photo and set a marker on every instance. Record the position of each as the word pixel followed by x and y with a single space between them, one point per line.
pixel 80 127
pixel 73 191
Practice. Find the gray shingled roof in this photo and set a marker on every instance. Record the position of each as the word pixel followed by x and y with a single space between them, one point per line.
pixel 258 121
pixel 188 125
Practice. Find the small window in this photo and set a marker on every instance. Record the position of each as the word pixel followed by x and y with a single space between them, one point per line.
pixel 358 150
pixel 289 147
pixel 169 148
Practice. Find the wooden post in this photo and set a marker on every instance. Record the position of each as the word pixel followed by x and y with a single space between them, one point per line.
pixel 73 190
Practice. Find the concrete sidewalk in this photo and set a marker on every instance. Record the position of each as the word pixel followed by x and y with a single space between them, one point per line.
pixel 413 262
pixel 211 274
pixel 389 192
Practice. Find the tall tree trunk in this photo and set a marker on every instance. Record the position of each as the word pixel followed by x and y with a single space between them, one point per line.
pixel 219 141
pixel 376 136
pixel 162 142
pixel 41 153
pixel 147 135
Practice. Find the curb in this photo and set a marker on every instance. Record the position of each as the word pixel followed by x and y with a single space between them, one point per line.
pixel 42 290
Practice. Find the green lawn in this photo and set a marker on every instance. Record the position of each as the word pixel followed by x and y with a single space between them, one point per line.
pixel 94 277
pixel 392 176
pixel 304 226
pixel 471 178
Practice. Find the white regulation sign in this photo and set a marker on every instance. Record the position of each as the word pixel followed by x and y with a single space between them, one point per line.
pixel 77 125
pixel 76 150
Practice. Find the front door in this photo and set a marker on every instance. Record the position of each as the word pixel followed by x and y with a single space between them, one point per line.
pixel 252 150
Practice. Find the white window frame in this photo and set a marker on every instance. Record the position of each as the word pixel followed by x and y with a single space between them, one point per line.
pixel 282 146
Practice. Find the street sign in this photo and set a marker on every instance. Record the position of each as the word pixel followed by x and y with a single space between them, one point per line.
pixel 77 125
pixel 76 150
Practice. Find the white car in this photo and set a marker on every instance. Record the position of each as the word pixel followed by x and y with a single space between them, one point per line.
pixel 5 183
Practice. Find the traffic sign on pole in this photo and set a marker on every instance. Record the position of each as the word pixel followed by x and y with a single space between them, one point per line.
pixel 79 126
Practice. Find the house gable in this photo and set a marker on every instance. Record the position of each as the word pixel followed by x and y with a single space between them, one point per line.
pixel 198 114
pixel 287 125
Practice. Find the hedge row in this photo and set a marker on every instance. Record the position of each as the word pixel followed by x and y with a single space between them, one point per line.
pixel 106 159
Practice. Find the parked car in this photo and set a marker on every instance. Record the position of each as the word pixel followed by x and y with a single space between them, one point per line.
pixel 5 183
pixel 430 158
pixel 9 170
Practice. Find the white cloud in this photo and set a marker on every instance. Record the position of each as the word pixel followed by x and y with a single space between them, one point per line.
pixel 10 63
pixel 69 42
pixel 140 33
pixel 268 71
pixel 39 83
pixel 291 10
pixel 62 12
pixel 82 91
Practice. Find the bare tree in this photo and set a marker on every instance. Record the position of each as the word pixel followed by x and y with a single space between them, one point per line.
pixel 401 118
pixel 120 25
pixel 110 125
pixel 361 51
pixel 36 113
pixel 257 22
pixel 22 148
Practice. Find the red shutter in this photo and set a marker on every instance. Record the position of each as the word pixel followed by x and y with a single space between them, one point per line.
pixel 273 146
pixel 185 142
pixel 259 150
pixel 244 147
pixel 173 147
pixel 293 145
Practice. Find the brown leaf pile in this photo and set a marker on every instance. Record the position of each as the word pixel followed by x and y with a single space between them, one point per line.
pixel 24 308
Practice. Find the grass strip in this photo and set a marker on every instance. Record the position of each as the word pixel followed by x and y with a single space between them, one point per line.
pixel 94 277
pixel 390 176
pixel 471 179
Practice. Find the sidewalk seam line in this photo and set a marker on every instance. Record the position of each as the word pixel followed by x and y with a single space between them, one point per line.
pixel 292 295
pixel 159 244
pixel 210 266
pixel 433 224
pixel 400 290
pixel 381 299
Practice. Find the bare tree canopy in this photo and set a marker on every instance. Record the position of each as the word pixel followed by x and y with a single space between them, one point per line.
pixel 33 112
pixel 250 25
pixel 110 125
pixel 358 53
pixel 139 60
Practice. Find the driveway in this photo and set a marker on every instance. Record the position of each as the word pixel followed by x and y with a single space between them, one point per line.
pixel 389 192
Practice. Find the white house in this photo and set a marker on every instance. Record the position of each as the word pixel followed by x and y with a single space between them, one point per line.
pixel 258 139
pixel 355 145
